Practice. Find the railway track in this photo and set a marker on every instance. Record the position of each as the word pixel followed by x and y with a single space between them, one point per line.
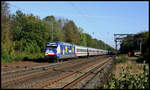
pixel 6 68
pixel 67 81
pixel 84 76
pixel 32 68
pixel 34 77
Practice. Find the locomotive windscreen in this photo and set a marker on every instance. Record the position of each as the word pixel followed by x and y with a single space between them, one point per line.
pixel 51 45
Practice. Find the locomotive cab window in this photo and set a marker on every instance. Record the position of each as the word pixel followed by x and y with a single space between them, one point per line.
pixel 51 47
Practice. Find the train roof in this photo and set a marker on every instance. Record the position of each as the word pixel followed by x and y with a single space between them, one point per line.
pixel 76 45
pixel 60 42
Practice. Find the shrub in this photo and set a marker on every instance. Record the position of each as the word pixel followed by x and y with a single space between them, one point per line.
pixel 5 56
pixel 18 58
pixel 129 81
pixel 122 59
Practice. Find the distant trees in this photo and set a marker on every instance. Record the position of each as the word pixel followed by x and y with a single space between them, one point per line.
pixel 132 43
pixel 4 13
pixel 83 38
pixel 6 32
pixel 71 33
pixel 29 31
pixel 25 35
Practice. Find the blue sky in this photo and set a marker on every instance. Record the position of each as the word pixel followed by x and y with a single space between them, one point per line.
pixel 102 18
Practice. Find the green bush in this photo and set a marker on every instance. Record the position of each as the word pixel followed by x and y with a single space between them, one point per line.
pixel 129 81
pixel 5 56
pixel 122 59
pixel 18 58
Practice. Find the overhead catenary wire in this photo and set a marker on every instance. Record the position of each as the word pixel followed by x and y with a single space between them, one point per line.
pixel 84 15
pixel 79 11
pixel 21 9
pixel 17 7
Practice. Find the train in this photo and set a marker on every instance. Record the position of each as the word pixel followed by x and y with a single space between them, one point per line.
pixel 62 50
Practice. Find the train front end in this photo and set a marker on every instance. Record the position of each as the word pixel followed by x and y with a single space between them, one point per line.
pixel 51 50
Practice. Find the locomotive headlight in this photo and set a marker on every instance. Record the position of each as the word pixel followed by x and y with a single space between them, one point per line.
pixel 46 53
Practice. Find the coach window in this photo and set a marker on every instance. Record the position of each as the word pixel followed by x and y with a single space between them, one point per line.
pixel 78 50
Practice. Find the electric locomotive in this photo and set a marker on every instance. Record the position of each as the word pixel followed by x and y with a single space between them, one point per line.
pixel 59 50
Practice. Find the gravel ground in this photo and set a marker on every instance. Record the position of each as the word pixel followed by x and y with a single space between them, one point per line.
pixel 34 78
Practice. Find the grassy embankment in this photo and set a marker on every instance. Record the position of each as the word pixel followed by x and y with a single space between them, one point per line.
pixel 20 56
pixel 128 74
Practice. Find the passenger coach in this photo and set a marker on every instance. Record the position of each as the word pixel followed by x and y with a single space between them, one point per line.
pixel 81 51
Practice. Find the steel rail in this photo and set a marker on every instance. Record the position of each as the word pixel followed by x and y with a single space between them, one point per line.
pixel 63 77
pixel 74 82
pixel 32 68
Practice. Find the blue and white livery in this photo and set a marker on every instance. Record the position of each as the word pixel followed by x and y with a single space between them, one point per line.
pixel 61 50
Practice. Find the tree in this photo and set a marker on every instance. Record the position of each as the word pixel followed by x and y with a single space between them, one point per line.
pixel 30 28
pixel 6 32
pixel 132 43
pixel 4 12
pixel 71 33
pixel 49 19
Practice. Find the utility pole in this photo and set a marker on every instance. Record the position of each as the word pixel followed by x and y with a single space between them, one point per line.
pixel 116 47
pixel 141 45
pixel 104 46
pixel 52 31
